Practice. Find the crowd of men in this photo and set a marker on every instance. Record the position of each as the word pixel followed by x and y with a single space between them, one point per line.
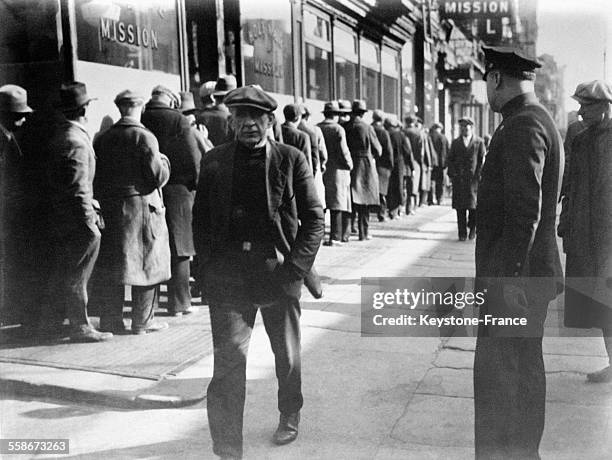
pixel 241 197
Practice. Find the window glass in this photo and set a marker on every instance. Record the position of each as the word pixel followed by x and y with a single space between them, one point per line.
pixel 408 79
pixel 317 73
pixel 139 35
pixel 390 65
pixel 347 81
pixel 345 43
pixel 370 74
pixel 267 47
pixel 29 31
pixel 316 27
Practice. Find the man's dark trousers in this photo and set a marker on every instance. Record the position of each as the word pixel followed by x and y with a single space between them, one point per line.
pixel 145 300
pixel 232 324
pixel 463 222
pixel 73 266
pixel 510 389
pixel 339 228
pixel 179 295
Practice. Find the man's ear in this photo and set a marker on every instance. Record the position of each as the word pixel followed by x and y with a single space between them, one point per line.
pixel 270 122
pixel 499 78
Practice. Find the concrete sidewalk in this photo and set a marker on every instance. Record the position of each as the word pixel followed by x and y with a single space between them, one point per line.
pixel 366 398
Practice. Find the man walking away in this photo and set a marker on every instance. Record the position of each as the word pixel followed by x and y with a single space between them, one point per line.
pixel 384 164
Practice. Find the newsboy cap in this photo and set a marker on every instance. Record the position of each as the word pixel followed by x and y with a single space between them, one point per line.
pixel 331 107
pixel 359 106
pixel 73 96
pixel 592 92
pixel 161 89
pixel 14 99
pixel 250 96
pixel 466 120
pixel 391 122
pixel 129 95
pixel 511 61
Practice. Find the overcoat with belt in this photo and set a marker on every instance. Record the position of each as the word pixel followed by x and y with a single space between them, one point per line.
pixel 464 167
pixel 384 164
pixel 337 176
pixel 177 140
pixel 365 149
pixel 294 210
pixel 135 247
pixel 586 227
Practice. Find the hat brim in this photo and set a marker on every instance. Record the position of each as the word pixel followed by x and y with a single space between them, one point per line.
pixel 63 107
pixel 220 93
pixel 26 109
pixel 255 106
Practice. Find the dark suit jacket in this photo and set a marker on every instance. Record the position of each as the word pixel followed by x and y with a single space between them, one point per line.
pixel 298 139
pixel 216 121
pixel 518 193
pixel 178 141
pixel 294 209
pixel 314 145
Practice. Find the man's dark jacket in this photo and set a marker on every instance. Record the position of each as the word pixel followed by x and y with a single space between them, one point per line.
pixel 518 194
pixel 294 209
pixel 298 139
pixel 314 145
pixel 178 142
pixel 216 121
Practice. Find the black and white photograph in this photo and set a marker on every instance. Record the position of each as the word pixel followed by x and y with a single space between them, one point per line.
pixel 306 229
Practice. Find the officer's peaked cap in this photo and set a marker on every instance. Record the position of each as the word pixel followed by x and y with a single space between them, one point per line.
pixel 509 60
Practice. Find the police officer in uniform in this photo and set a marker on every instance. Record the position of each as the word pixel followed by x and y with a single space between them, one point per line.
pixel 258 224
pixel 517 259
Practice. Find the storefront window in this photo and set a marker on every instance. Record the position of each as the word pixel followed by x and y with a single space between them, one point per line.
pixel 130 34
pixel 370 74
pixel 317 35
pixel 390 65
pixel 408 79
pixel 347 68
pixel 317 73
pixel 267 46
pixel 29 31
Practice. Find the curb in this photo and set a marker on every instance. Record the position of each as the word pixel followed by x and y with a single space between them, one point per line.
pixel 145 399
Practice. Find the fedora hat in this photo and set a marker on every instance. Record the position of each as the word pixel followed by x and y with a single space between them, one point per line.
pixel 331 107
pixel 187 103
pixel 73 96
pixel 359 106
pixel 14 99
pixel 224 85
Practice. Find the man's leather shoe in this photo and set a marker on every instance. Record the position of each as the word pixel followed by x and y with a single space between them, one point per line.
pixel 287 429
pixel 87 334
pixel 187 311
pixel 114 325
pixel 153 327
pixel 472 234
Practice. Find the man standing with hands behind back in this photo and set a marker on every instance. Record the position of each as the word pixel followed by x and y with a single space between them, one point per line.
pixel 257 224
pixel 517 259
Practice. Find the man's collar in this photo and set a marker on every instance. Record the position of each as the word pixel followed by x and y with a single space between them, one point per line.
pixel 517 102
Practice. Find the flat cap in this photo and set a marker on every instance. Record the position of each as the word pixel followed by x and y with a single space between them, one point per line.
pixel 129 95
pixel 359 106
pixel 378 115
pixel 161 89
pixel 345 106
pixel 250 96
pixel 466 120
pixel 391 122
pixel 14 99
pixel 511 61
pixel 593 92
pixel 437 125
pixel 292 112
pixel 331 107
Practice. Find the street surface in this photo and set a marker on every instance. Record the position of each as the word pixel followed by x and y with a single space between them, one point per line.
pixel 365 398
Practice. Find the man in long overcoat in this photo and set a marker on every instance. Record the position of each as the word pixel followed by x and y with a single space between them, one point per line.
pixel 365 149
pixel 135 248
pixel 384 164
pixel 71 167
pixel 517 259
pixel 440 148
pixel 586 220
pixel 413 181
pixel 465 161
pixel 178 142
pixel 337 176
pixel 258 225
pixel 402 166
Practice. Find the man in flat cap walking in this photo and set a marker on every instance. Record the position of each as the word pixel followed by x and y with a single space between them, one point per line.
pixel 258 224
pixel 517 259
pixel 586 220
